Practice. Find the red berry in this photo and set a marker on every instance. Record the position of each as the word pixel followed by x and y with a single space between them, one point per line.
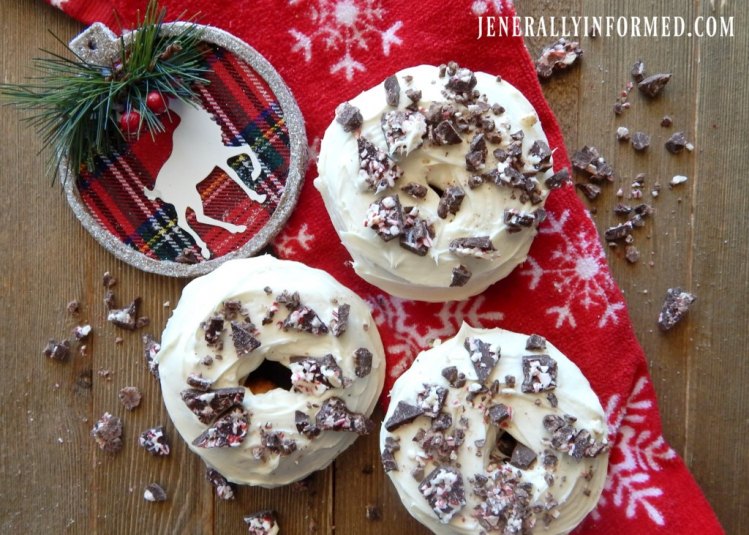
pixel 130 122
pixel 155 102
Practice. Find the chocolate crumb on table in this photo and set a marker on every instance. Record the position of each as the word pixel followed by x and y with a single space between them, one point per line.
pixel 108 280
pixel 632 254
pixel 127 317
pixel 640 141
pixel 59 351
pixel 154 493
pixel 372 512
pixel 130 397
pixel 675 308
pixel 262 523
pixel 150 349
pixel 589 161
pixel 73 307
pixel 155 441
pixel 107 432
pixel 653 85
pixel 638 71
pixel 224 489
pixel 622 133
pixel 591 191
pixel 556 57
pixel 666 121
pixel 676 143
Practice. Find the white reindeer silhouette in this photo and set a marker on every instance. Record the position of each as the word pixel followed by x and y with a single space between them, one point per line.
pixel 197 149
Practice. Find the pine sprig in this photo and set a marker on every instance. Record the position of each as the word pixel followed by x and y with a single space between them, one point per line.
pixel 76 105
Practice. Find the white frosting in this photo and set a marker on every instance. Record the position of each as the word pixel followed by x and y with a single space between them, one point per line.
pixel 183 346
pixel 391 267
pixel 575 397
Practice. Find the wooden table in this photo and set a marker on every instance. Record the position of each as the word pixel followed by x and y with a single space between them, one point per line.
pixel 54 480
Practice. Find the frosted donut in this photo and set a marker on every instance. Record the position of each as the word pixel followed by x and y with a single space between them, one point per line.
pixel 271 312
pixel 495 432
pixel 435 181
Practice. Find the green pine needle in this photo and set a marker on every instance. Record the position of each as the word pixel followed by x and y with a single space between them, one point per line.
pixel 75 105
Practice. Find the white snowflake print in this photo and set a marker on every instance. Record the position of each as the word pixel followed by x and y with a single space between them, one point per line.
pixel 412 336
pixel 636 454
pixel 577 270
pixel 288 244
pixel 346 27
pixel 485 7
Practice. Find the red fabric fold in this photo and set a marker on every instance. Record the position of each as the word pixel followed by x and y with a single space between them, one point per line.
pixel 330 50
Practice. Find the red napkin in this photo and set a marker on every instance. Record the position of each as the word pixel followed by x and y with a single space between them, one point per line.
pixel 330 50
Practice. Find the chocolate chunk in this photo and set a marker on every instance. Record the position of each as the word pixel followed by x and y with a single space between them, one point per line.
pixel 618 232
pixel 431 399
pixel 414 95
pixel 676 143
pixel 187 256
pixel 372 512
pixel 108 280
pixel 154 493
pixel 462 81
pixel 418 234
pixel 290 300
pixel 675 307
pixel 335 416
pixel 155 441
pixel 590 161
pixel 552 399
pixel 385 217
pixel 224 489
pixel 476 156
pixel 622 209
pixel 445 134
pixel 109 300
pixel 460 276
pixel 557 57
pixel 479 246
pixel 442 422
pixel 57 350
pixel 535 342
pixel 150 349
pixel 262 523
pixel 107 432
pixel 362 362
pixel 404 131
pixel 522 457
pixel 417 191
pixel 349 117
pixel 558 179
pixel 214 328
pixel 130 397
pixel 591 191
pixel 640 141
pixel 392 91
pixel 228 431
pixel 539 373
pixel 306 320
pixel 638 71
pixel 622 134
pixel 232 308
pixel 652 85
pixel 450 201
pixel 540 155
pixel 506 444
pixel 339 323
pixel 666 121
pixel 305 426
pixel 568 439
pixel 443 489
pixel 482 357
pixel 404 413
pixel 125 318
pixel 376 169
pixel 244 342
pixel 208 405
pixel 275 442
pixel 197 381
pixel 632 254
pixel 499 413
pixel 456 380
pixel 388 459
pixel 518 219
pixel 311 375
pixel 505 502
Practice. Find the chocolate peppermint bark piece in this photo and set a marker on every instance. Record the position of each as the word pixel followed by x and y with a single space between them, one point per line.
pixel 339 323
pixel 591 191
pixel 154 493
pixel 477 150
pixel 565 437
pixel 242 336
pixel 377 170
pixel 443 489
pixel 417 233
pixel 362 362
pixel 539 374
pixel 640 141
pixel 558 179
pixel 224 489
pixel 535 342
pixel 653 85
pixel 229 431
pixel 522 457
pixel 305 426
pixel 311 375
pixel 127 317
pixel 499 413
pixel 431 399
pixel 57 350
pixel 517 220
pixel 504 500
pixel 482 356
pixel 460 276
pixel 290 300
pixel 150 349
pixel 557 57
pixel 417 191
pixel 479 247
pixel 388 459
pixel 274 442
pixel 155 441
pixel 450 201
pixel 676 143
pixel 349 117
pixel 385 217
pixel 392 91
pixel 335 416
pixel 462 81
pixel 404 413
pixel 675 308
pixel 540 155
pixel 262 523
pixel 130 397
pixel 214 329
pixel 197 381
pixel 618 232
pixel 107 433
pixel 304 319
pixel 590 161
pixel 404 131
pixel 445 134
pixel 207 406
pixel 455 378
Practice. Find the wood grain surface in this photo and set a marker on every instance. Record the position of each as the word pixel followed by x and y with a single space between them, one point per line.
pixel 55 480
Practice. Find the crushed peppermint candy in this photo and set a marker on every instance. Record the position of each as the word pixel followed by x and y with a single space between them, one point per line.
pixel 404 131
pixel 207 406
pixel 540 373
pixel 377 170
pixel 155 441
pixel 385 217
pixel 311 375
pixel 228 431
pixel 443 489
pixel 482 356
pixel 262 523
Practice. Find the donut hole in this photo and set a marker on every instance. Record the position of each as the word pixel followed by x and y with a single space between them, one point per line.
pixel 505 445
pixel 270 375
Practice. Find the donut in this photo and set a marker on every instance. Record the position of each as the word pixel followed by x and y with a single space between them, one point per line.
pixel 495 432
pixel 319 352
pixel 435 181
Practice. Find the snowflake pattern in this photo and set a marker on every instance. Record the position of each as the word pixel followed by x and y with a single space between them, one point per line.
pixel 486 7
pixel 411 335
pixel 578 273
pixel 636 454
pixel 287 244
pixel 346 27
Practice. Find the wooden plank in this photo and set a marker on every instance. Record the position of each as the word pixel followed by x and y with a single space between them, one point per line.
pixel 720 275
